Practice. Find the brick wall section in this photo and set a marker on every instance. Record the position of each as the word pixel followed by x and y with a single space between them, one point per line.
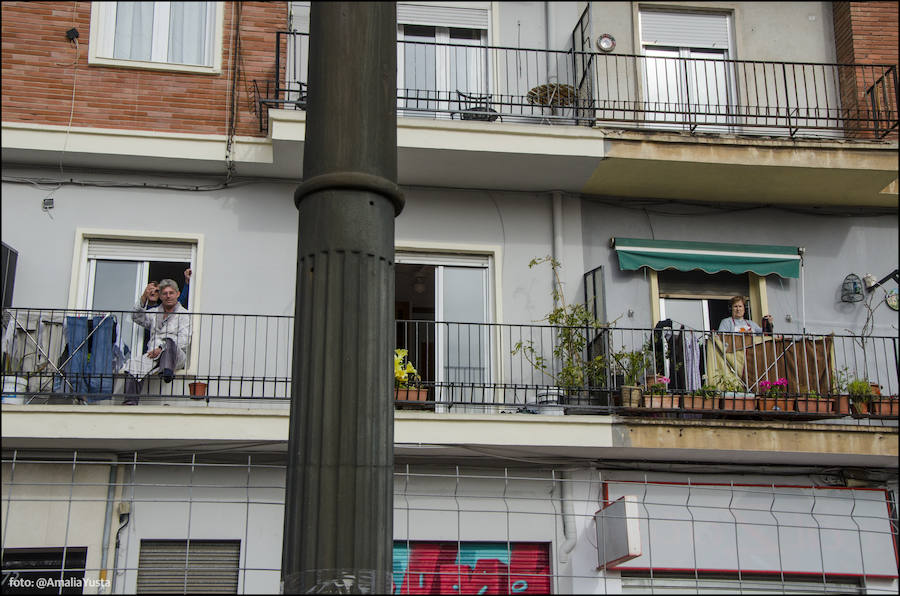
pixel 866 34
pixel 38 73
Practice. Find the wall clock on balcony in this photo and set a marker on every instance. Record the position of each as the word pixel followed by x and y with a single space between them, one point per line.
pixel 892 299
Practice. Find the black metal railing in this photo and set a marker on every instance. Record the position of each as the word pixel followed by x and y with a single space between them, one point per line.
pixel 58 356
pixel 474 82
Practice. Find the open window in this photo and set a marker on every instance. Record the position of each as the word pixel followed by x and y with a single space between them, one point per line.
pixel 112 271
pixel 442 307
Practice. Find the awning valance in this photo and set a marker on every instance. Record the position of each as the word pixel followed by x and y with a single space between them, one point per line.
pixel 712 257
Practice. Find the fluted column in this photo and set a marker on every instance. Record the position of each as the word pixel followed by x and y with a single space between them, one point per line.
pixel 339 504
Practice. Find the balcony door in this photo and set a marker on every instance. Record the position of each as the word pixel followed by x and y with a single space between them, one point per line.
pixel 115 273
pixel 687 81
pixel 442 309
pixel 440 51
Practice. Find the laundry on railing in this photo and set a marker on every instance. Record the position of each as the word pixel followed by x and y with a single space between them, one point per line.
pixel 90 358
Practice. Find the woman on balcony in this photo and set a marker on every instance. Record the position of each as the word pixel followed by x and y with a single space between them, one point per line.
pixel 736 323
pixel 170 333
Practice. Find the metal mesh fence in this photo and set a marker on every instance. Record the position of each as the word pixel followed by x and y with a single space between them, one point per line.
pixel 85 523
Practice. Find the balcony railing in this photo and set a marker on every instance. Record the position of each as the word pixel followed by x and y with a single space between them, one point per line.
pixel 61 356
pixel 490 83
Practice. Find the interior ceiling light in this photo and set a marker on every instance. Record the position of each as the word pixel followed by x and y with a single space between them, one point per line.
pixel 419 286
pixel 606 43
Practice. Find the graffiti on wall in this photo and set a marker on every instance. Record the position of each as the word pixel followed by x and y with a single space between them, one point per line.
pixel 471 568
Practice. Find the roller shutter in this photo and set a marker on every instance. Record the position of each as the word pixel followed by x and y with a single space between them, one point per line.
pixel 207 567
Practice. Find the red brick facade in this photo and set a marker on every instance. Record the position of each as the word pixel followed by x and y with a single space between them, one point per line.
pixel 866 34
pixel 40 64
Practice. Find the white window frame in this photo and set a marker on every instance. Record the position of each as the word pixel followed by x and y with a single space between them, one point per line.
pixel 684 52
pixel 484 259
pixel 83 269
pixel 102 39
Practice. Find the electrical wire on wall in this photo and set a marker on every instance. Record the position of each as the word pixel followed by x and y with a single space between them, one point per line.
pixel 234 72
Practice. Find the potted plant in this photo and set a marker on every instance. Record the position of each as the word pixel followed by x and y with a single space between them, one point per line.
pixel 569 368
pixel 631 365
pixel 405 378
pixel 813 403
pixel 866 392
pixel 839 381
pixel 658 396
pixel 774 396
pixel 734 397
pixel 860 392
pixel 704 398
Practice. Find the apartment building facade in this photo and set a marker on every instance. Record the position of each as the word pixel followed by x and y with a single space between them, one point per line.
pixel 669 155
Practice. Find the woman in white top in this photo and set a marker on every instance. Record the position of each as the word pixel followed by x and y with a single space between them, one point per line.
pixel 736 323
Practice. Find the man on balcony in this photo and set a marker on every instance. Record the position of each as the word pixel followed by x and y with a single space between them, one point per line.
pixel 170 333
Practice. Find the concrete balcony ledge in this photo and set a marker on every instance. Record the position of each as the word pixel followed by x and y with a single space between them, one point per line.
pixel 478 436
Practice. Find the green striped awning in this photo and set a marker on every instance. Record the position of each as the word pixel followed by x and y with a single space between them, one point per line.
pixel 712 257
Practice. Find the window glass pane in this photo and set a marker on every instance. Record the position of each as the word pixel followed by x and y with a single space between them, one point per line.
pixel 419 62
pixel 464 307
pixel 133 30
pixel 188 33
pixel 115 284
pixel 116 289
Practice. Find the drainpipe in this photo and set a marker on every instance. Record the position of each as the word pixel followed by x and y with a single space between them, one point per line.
pixel 802 251
pixel 568 517
pixel 547 14
pixel 107 521
pixel 557 225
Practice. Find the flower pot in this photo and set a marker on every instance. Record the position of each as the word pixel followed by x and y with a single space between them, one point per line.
pixel 549 402
pixel 197 389
pixel 884 407
pixel 775 404
pixel 699 402
pixel 631 396
pixel 411 394
pixel 815 405
pixel 664 402
pixel 842 405
pixel 738 403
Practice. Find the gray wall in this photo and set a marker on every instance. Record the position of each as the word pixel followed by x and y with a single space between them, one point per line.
pixel 780 31
pixel 835 246
pixel 250 245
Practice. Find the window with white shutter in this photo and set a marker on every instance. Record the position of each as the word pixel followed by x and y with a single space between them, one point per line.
pixel 188 567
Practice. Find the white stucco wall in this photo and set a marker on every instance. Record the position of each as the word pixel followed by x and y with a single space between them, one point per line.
pixel 835 246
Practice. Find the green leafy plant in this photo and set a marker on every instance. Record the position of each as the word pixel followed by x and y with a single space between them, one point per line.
pixel 404 372
pixel 860 390
pixel 632 365
pixel 574 369
pixel 726 383
pixel 839 380
pixel 707 391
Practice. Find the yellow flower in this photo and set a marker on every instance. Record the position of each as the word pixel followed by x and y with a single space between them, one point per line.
pixel 403 370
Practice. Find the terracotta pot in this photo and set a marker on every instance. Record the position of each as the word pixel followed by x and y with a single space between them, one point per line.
pixel 815 405
pixel 884 407
pixel 842 405
pixel 666 402
pixel 738 403
pixel 698 402
pixel 784 404
pixel 197 389
pixel 411 394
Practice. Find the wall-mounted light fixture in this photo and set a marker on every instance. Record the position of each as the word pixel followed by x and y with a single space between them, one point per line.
pixel 606 42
